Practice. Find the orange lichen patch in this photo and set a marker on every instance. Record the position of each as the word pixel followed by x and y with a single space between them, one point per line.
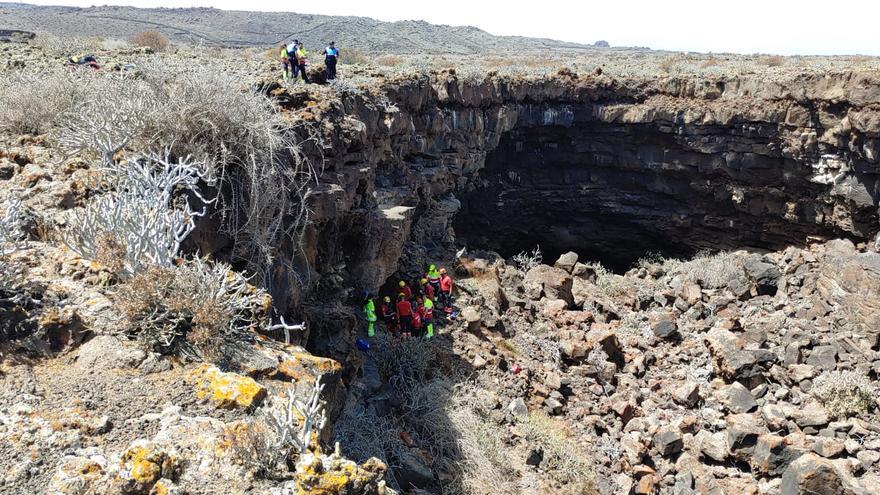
pixel 227 390
pixel 304 367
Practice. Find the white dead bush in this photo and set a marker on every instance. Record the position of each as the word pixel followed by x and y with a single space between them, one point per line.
pixel 844 393
pixel 138 217
pixel 259 158
pixel 296 423
pixel 527 260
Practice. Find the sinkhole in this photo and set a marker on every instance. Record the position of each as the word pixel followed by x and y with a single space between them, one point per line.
pixel 615 193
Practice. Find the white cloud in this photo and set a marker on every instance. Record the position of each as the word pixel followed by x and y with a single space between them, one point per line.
pixel 743 26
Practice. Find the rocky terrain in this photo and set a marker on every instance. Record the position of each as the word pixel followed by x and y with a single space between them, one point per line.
pixel 227 28
pixel 749 367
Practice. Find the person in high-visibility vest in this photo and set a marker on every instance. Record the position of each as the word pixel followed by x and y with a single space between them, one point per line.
pixel 370 314
pixel 426 308
pixel 433 277
pixel 302 58
pixel 285 63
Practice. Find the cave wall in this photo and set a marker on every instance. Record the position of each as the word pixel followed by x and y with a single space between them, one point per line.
pixel 685 163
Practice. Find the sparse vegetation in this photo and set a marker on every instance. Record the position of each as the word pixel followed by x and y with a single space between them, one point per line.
pixel 845 393
pixel 193 309
pixel 669 64
pixel 773 61
pixel 389 60
pixel 563 458
pixel 525 260
pixel 135 226
pixel 153 40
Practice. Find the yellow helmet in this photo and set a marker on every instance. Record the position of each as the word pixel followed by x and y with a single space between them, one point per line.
pixel 402 283
pixel 386 299
pixel 424 281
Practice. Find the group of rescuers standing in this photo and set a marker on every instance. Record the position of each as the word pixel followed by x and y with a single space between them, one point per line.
pixel 294 59
pixel 412 312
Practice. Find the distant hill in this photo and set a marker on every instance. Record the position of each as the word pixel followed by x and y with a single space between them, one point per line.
pixel 242 28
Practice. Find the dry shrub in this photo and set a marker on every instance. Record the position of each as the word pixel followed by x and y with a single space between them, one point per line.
pixel 355 56
pixel 773 61
pixel 669 64
pixel 238 134
pixel 484 466
pixel 193 308
pixel 34 103
pixel 110 252
pixel 710 62
pixel 389 60
pixel 154 40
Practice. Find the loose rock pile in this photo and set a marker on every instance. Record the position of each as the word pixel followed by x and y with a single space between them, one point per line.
pixel 732 373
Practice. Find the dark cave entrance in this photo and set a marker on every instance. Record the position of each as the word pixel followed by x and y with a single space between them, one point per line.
pixel 616 193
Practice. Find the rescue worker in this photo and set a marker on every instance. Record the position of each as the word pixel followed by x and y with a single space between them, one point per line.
pixel 389 315
pixel 292 47
pixel 302 59
pixel 404 315
pixel 428 289
pixel 433 277
pixel 405 290
pixel 285 62
pixel 370 314
pixel 416 319
pixel 446 290
pixel 331 56
pixel 426 308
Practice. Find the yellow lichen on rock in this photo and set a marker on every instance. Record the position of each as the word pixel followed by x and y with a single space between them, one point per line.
pixel 334 475
pixel 227 390
pixel 304 367
pixel 145 464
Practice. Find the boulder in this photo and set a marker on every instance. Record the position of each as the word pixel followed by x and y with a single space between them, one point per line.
pixel 665 327
pixel 412 471
pixel 668 441
pixel 772 455
pixel 687 395
pixel 743 431
pixel 737 398
pixel 548 282
pixel 730 360
pixel 712 445
pixel 763 274
pixel 811 474
pixel 567 261
pixel 811 414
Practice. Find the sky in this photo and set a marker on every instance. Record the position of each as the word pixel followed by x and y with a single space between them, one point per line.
pixel 786 27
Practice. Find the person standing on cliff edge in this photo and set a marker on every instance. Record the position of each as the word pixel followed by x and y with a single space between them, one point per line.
pixel 331 57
